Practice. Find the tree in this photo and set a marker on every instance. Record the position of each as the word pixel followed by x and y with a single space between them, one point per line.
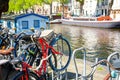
pixel 18 5
pixel 3 6
pixel 81 2
pixel 11 7
pixel 63 2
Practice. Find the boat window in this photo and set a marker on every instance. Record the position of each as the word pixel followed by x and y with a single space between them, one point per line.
pixel 24 24
pixel 36 23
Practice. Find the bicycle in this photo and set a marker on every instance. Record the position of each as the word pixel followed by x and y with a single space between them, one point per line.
pixel 4 41
pixel 114 59
pixel 114 73
pixel 25 73
pixel 51 52
pixel 111 64
pixel 12 40
pixel 11 70
pixel 17 41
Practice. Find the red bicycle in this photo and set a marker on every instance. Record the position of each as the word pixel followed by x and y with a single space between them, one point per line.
pixel 54 50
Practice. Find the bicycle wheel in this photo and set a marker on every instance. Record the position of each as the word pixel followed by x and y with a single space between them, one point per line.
pixel 21 76
pixel 60 44
pixel 33 55
pixel 4 41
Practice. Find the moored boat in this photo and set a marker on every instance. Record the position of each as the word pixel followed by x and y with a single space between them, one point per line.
pixel 111 21
pixel 98 24
pixel 57 21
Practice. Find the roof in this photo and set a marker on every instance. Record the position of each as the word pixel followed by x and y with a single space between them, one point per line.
pixel 25 15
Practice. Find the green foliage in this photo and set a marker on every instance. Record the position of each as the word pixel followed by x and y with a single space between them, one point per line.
pixel 64 1
pixel 81 2
pixel 58 14
pixel 17 5
pixel 48 1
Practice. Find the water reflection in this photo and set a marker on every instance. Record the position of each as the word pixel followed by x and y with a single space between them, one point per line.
pixel 95 40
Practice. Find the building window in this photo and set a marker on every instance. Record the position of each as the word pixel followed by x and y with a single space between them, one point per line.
pixel 106 11
pixel 102 11
pixel 118 12
pixel 24 24
pixel 36 23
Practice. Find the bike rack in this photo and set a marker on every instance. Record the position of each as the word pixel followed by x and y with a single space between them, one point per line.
pixel 83 76
pixel 59 76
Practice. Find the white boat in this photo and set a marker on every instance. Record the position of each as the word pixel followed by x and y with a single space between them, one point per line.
pixel 99 24
pixel 56 21
pixel 113 22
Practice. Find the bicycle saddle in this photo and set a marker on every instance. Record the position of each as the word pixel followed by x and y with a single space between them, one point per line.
pixel 7 51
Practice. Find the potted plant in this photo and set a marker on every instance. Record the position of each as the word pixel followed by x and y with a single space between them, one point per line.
pixel 57 16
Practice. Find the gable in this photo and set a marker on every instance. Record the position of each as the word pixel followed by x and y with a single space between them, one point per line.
pixel 32 14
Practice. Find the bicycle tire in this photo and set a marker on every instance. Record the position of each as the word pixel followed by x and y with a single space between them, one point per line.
pixel 64 46
pixel 4 41
pixel 33 54
pixel 32 76
pixel 36 55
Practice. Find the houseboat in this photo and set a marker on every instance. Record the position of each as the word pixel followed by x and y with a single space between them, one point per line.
pixel 31 21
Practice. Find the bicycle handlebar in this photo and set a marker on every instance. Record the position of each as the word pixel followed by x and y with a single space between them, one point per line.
pixel 101 61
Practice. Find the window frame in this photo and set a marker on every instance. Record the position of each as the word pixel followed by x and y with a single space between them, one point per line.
pixel 38 23
pixel 24 27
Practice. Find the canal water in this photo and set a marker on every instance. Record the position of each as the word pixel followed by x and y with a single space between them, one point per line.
pixel 98 42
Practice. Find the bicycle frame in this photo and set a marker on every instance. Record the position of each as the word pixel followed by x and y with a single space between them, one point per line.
pixel 25 67
pixel 45 46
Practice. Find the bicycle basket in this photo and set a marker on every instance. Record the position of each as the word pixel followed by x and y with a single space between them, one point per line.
pixel 47 34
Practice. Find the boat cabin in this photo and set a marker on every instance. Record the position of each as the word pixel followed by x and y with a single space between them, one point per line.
pixel 30 21
pixel 104 18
